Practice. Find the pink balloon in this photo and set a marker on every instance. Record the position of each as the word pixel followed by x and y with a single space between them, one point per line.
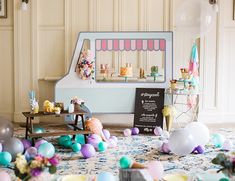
pixel 127 132
pixel 88 151
pixel 155 169
pixel 4 176
pixel 0 147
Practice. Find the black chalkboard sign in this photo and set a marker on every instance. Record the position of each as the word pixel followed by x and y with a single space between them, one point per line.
pixel 149 103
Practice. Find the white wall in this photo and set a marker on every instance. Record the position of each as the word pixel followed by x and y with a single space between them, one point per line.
pixel 36 47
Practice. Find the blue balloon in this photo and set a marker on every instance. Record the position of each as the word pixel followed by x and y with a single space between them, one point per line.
pixel 218 140
pixel 105 176
pixel 47 150
pixel 5 158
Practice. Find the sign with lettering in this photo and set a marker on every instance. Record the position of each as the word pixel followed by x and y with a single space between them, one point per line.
pixel 149 103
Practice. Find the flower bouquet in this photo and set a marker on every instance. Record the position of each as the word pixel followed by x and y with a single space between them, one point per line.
pixel 85 65
pixel 77 103
pixel 37 168
pixel 227 163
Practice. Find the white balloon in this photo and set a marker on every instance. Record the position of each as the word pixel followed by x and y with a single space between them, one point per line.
pixel 197 16
pixel 181 142
pixel 200 133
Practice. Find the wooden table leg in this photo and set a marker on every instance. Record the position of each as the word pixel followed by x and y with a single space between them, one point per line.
pixel 75 125
pixel 83 126
pixel 31 128
pixel 26 128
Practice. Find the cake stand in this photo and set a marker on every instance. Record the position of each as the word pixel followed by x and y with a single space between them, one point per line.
pixel 154 76
pixel 125 77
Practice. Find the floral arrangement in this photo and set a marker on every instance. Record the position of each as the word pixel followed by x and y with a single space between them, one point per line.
pixel 76 100
pixel 38 166
pixel 85 65
pixel 227 162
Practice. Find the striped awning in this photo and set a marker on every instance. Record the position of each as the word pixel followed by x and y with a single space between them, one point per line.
pixel 130 44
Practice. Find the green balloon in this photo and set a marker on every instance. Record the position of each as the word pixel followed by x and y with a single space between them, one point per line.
pixel 5 158
pixel 79 138
pixel 125 162
pixel 76 147
pixel 67 144
pixel 63 139
pixel 102 146
pixel 38 130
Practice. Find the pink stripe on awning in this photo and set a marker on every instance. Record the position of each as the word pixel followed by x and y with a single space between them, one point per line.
pixel 127 45
pixel 145 45
pixel 104 44
pixel 116 45
pixel 156 44
pixel 98 45
pixel 150 45
pixel 110 44
pixel 138 44
pixel 121 45
pixel 162 45
pixel 133 44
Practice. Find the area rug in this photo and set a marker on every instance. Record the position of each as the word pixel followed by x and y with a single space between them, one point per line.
pixel 140 148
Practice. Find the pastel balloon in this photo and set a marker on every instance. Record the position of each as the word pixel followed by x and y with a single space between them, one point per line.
pixel 111 143
pixel 76 147
pixel 200 133
pixel 106 133
pixel 63 139
pixel 165 148
pixel 105 176
pixel 47 150
pixel 39 142
pixel 181 142
pixel 199 149
pixel 127 132
pixel 158 131
pixel 13 146
pixel 125 162
pixel 79 138
pixel 155 169
pixel 38 130
pixel 88 151
pixel 26 143
pixel 0 147
pixel 114 138
pixel 135 131
pixel 102 146
pixel 5 158
pixel 30 153
pixel 165 134
pixel 218 140
pixel 228 145
pixel 4 176
pixel 6 130
pixel 94 140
